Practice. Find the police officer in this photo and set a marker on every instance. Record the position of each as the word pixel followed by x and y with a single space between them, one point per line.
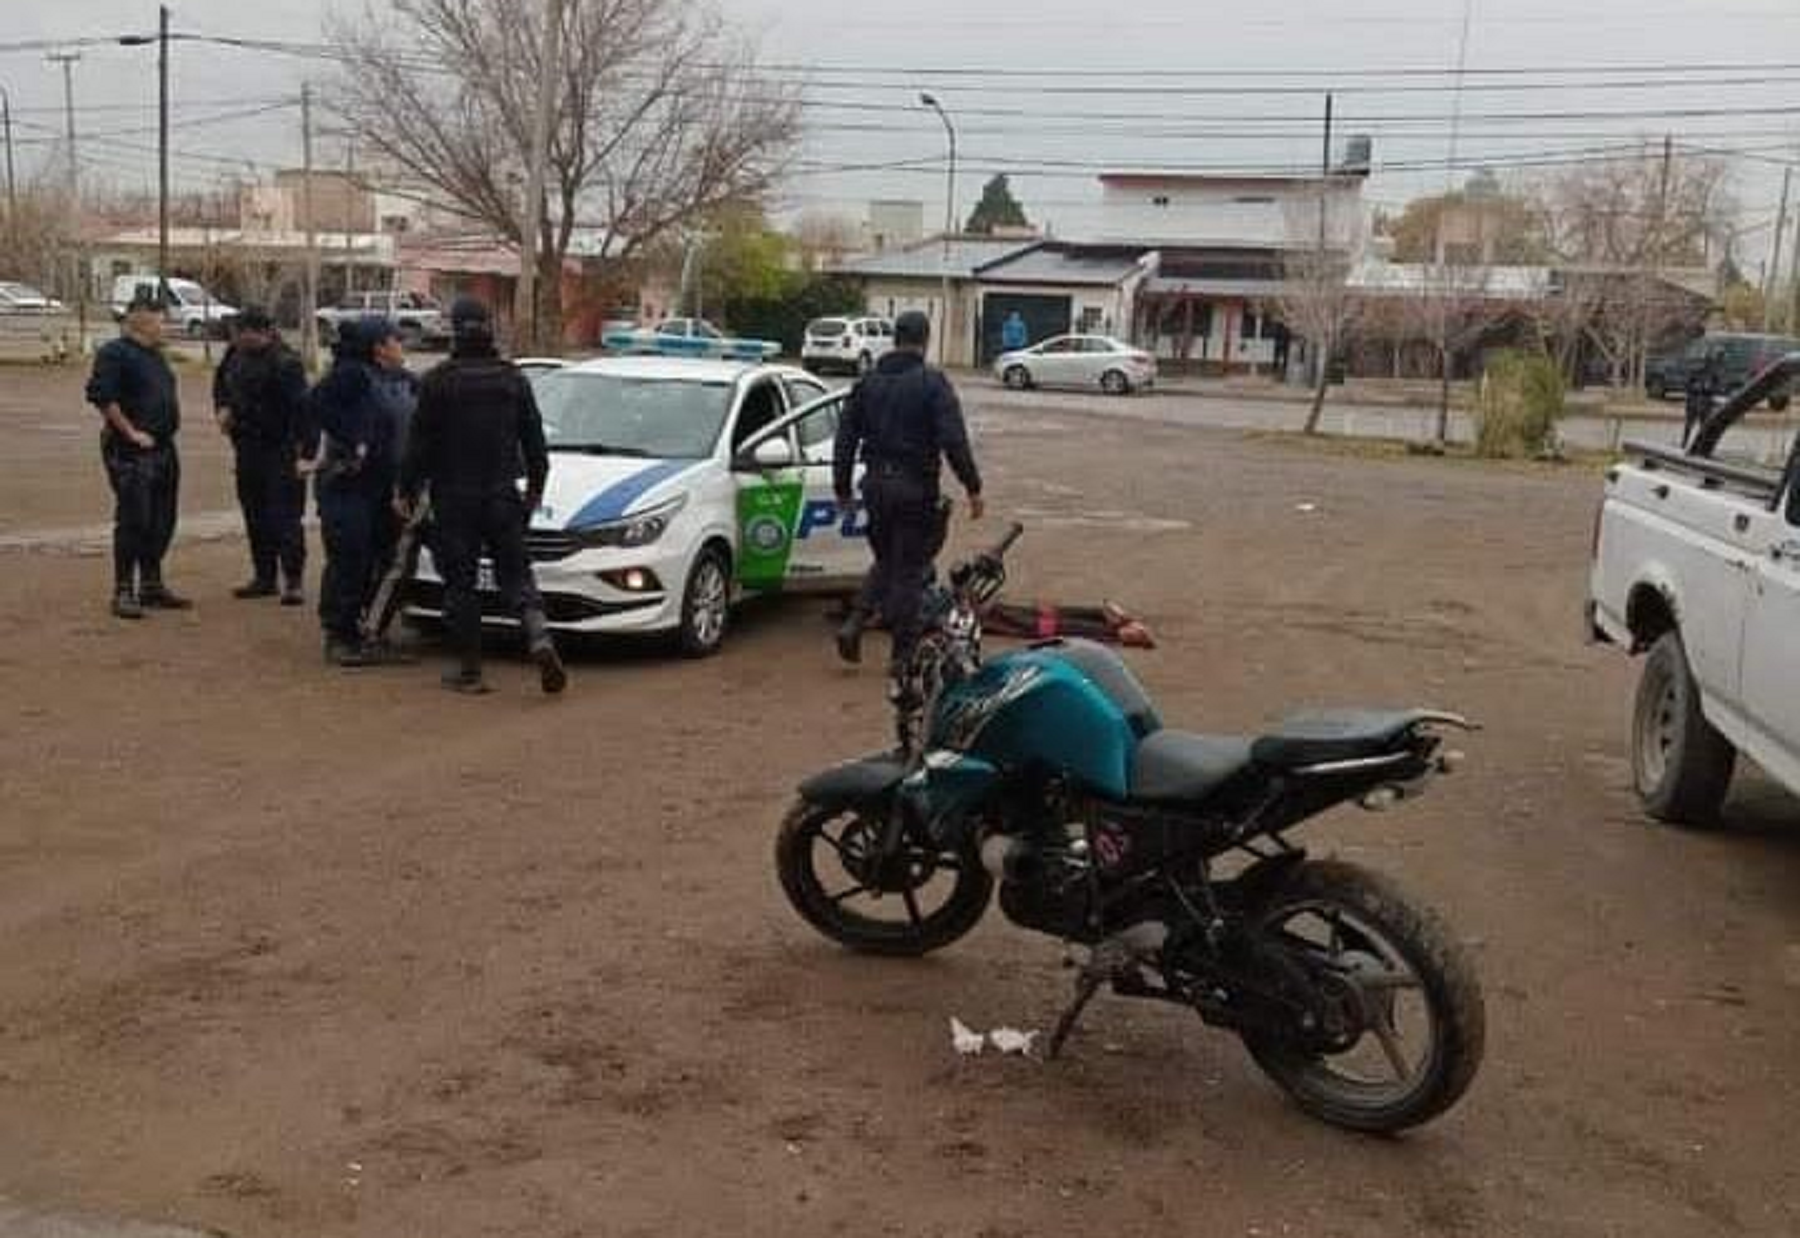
pixel 135 391
pixel 355 473
pixel 259 398
pixel 477 423
pixel 903 419
pixel 1702 386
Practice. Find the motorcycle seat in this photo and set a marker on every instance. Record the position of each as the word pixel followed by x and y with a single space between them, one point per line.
pixel 1335 735
pixel 1179 767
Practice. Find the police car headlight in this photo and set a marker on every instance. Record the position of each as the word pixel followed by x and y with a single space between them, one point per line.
pixel 643 529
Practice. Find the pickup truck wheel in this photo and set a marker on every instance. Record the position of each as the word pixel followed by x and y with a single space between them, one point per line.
pixel 1681 763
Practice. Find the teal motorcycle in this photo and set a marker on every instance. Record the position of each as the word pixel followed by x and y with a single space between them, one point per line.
pixel 1163 857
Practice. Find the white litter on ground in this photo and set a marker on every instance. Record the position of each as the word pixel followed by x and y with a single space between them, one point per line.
pixel 1011 1040
pixel 965 1041
pixel 969 1043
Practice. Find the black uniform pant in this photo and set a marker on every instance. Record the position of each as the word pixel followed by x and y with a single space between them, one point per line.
pixel 146 488
pixel 905 534
pixel 358 527
pixel 273 499
pixel 466 525
pixel 1699 407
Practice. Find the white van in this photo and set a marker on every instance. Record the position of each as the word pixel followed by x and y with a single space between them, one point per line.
pixel 192 310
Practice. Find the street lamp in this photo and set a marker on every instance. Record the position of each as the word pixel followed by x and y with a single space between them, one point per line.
pixel 930 100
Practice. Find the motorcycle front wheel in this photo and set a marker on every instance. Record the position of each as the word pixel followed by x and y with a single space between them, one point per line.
pixel 912 904
pixel 1396 1020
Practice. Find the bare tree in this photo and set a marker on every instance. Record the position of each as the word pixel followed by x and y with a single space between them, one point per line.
pixel 1316 300
pixel 1617 226
pixel 1317 303
pixel 660 117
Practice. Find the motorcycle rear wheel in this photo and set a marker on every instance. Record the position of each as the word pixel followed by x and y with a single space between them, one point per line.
pixel 823 856
pixel 1374 949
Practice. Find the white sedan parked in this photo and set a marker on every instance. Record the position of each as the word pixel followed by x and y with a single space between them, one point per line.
pixel 1078 361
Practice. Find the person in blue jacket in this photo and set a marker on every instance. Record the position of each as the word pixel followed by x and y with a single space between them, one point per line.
pixel 1014 334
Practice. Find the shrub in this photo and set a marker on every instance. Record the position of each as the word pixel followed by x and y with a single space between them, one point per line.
pixel 1520 403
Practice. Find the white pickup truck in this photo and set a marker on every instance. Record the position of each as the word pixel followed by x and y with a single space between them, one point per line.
pixel 1697 565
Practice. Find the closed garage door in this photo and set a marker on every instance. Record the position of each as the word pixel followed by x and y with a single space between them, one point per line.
pixel 1044 317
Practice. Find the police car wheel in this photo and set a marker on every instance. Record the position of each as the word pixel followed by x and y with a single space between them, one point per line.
pixel 705 605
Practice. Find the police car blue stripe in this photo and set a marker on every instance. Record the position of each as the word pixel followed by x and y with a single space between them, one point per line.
pixel 613 502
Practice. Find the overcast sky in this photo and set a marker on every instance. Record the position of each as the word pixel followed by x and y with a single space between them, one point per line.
pixel 1090 119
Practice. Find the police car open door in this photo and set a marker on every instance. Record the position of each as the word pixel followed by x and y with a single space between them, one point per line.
pixel 790 534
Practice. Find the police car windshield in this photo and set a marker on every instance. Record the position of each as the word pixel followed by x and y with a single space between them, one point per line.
pixel 606 414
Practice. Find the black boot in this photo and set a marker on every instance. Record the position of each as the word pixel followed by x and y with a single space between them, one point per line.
pixel 260 587
pixel 551 672
pixel 125 604
pixel 466 680
pixel 850 634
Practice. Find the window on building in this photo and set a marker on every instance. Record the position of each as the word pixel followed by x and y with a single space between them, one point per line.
pixel 1092 318
pixel 1161 199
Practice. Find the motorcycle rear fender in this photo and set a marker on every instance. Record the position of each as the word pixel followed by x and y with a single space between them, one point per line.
pixel 854 784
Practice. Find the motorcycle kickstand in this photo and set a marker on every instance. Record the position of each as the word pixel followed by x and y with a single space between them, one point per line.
pixel 1086 985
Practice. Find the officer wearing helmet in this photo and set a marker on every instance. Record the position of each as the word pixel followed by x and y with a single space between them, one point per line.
pixel 475 431
pixel 902 420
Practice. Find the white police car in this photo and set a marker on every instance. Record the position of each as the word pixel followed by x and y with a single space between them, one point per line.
pixel 678 487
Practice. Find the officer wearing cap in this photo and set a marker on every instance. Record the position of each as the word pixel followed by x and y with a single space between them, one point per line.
pixel 476 428
pixel 135 390
pixel 903 419
pixel 259 399
pixel 356 465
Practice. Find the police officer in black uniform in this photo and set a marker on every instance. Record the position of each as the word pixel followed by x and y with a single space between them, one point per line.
pixel 1702 385
pixel 259 398
pixel 903 419
pixel 477 424
pixel 135 391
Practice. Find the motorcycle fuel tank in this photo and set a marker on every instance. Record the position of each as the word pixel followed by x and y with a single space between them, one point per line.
pixel 1039 709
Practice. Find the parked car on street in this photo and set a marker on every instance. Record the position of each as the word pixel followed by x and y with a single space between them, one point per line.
pixel 18 298
pixel 677 488
pixel 420 319
pixel 688 337
pixel 1078 361
pixel 1742 356
pixel 191 309
pixel 850 345
pixel 1697 566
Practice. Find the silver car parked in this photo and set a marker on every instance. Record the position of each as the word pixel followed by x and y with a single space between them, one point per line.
pixel 1078 361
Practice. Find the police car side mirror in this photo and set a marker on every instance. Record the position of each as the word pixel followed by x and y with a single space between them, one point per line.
pixel 771 453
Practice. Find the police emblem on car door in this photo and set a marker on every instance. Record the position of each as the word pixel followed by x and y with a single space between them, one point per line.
pixel 791 534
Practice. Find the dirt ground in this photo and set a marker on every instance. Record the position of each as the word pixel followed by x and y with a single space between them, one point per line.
pixel 285 952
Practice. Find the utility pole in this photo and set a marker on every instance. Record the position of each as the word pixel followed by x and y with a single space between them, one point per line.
pixel 1772 272
pixel 525 307
pixel 350 197
pixel 1793 319
pixel 162 160
pixel 12 187
pixel 68 61
pixel 1653 295
pixel 309 286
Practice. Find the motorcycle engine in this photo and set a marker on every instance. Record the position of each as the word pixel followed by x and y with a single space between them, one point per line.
pixel 1045 880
